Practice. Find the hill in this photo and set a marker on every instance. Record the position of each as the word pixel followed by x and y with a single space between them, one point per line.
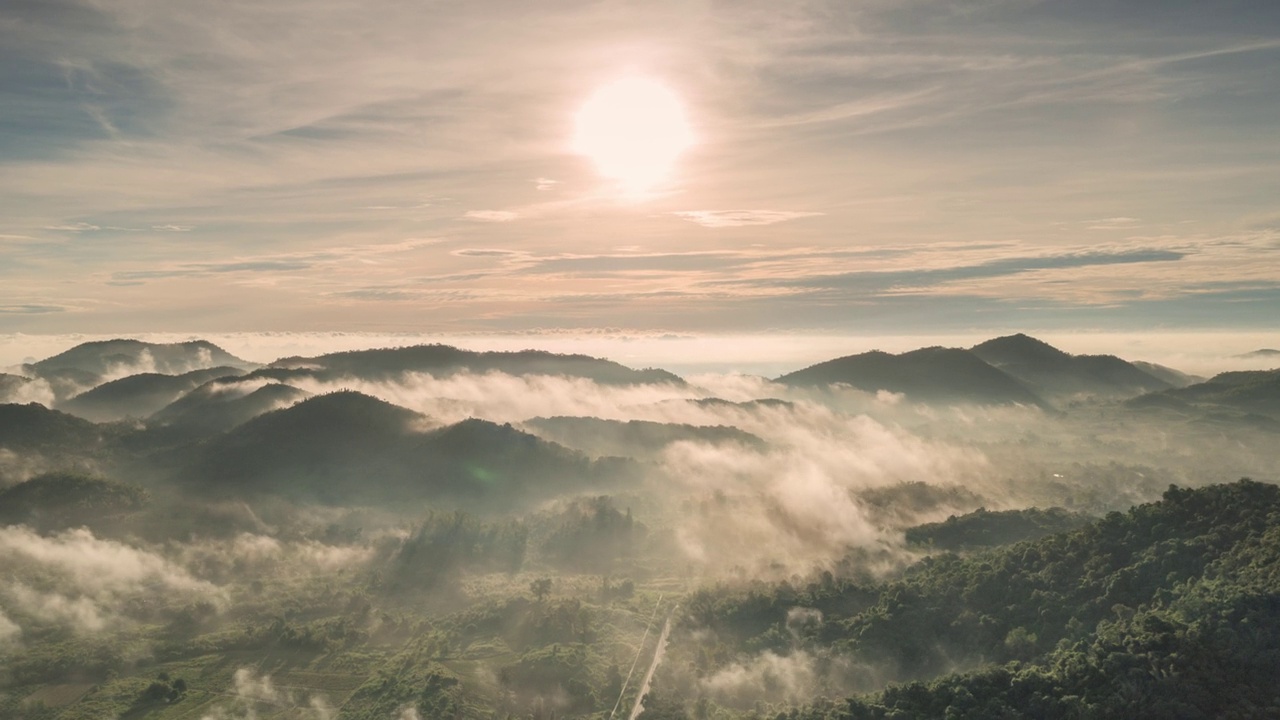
pixel 16 388
pixel 222 404
pixel 1169 610
pixel 346 447
pixel 1175 378
pixel 1056 374
pixel 935 374
pixel 105 357
pixel 1263 353
pixel 56 501
pixel 634 438
pixel 984 528
pixel 36 427
pixel 444 360
pixel 1255 391
pixel 138 396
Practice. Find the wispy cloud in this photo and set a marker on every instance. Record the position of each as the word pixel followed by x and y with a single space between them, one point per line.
pixel 740 218
pixel 487 252
pixel 496 216
pixel 31 309
pixel 1113 223
pixel 74 227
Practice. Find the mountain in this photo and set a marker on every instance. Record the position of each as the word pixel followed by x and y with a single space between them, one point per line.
pixel 1252 390
pixel 36 427
pixel 985 528
pixel 346 447
pixel 224 403
pixel 106 357
pixel 66 382
pixel 1170 610
pixel 11 386
pixel 140 395
pixel 1055 374
pixel 933 374
pixel 634 438
pixel 1264 353
pixel 56 501
pixel 1175 378
pixel 444 360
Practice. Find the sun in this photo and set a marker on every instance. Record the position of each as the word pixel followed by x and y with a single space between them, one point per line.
pixel 633 129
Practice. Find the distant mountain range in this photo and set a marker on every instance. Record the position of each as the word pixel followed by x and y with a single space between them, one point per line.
pixel 1267 353
pixel 90 364
pixel 197 387
pixel 444 360
pixel 936 374
pixel 104 357
pixel 1015 369
pixel 1058 375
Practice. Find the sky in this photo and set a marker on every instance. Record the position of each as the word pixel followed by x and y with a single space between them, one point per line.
pixel 855 167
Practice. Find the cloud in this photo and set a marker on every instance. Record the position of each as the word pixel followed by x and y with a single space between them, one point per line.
pixel 493 216
pixel 792 506
pixel 9 631
pixel 487 252
pixel 792 678
pixel 874 282
pixel 31 309
pixel 173 228
pixel 74 227
pixel 901 126
pixel 282 262
pixel 215 268
pixel 252 690
pixel 33 390
pixel 258 555
pixel 740 218
pixel 94 565
pixel 81 581
pixel 1113 223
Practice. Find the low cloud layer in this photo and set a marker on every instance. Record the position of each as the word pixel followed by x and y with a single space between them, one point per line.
pixel 76 580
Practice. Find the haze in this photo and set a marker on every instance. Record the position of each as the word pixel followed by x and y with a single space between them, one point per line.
pixel 865 360
pixel 859 168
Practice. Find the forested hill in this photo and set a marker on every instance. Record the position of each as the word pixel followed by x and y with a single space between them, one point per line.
pixel 1169 610
pixel 443 360
pixel 934 374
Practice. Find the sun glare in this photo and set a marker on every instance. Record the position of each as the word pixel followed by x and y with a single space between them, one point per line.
pixel 634 130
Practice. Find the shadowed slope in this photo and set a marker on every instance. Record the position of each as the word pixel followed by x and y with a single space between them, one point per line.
pixel 138 396
pixel 1054 373
pixel 443 360
pixel 222 404
pixel 347 447
pixel 933 374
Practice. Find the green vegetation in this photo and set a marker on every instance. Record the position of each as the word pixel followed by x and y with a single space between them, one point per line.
pixel 259 549
pixel 56 501
pixel 1169 610
pixel 983 528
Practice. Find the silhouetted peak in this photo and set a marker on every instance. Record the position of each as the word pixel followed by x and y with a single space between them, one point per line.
pixel 1018 348
pixel 445 359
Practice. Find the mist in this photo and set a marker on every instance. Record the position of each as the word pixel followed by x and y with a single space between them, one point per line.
pixel 397 543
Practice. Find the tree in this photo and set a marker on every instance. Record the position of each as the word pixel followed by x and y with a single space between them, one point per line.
pixel 540 588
